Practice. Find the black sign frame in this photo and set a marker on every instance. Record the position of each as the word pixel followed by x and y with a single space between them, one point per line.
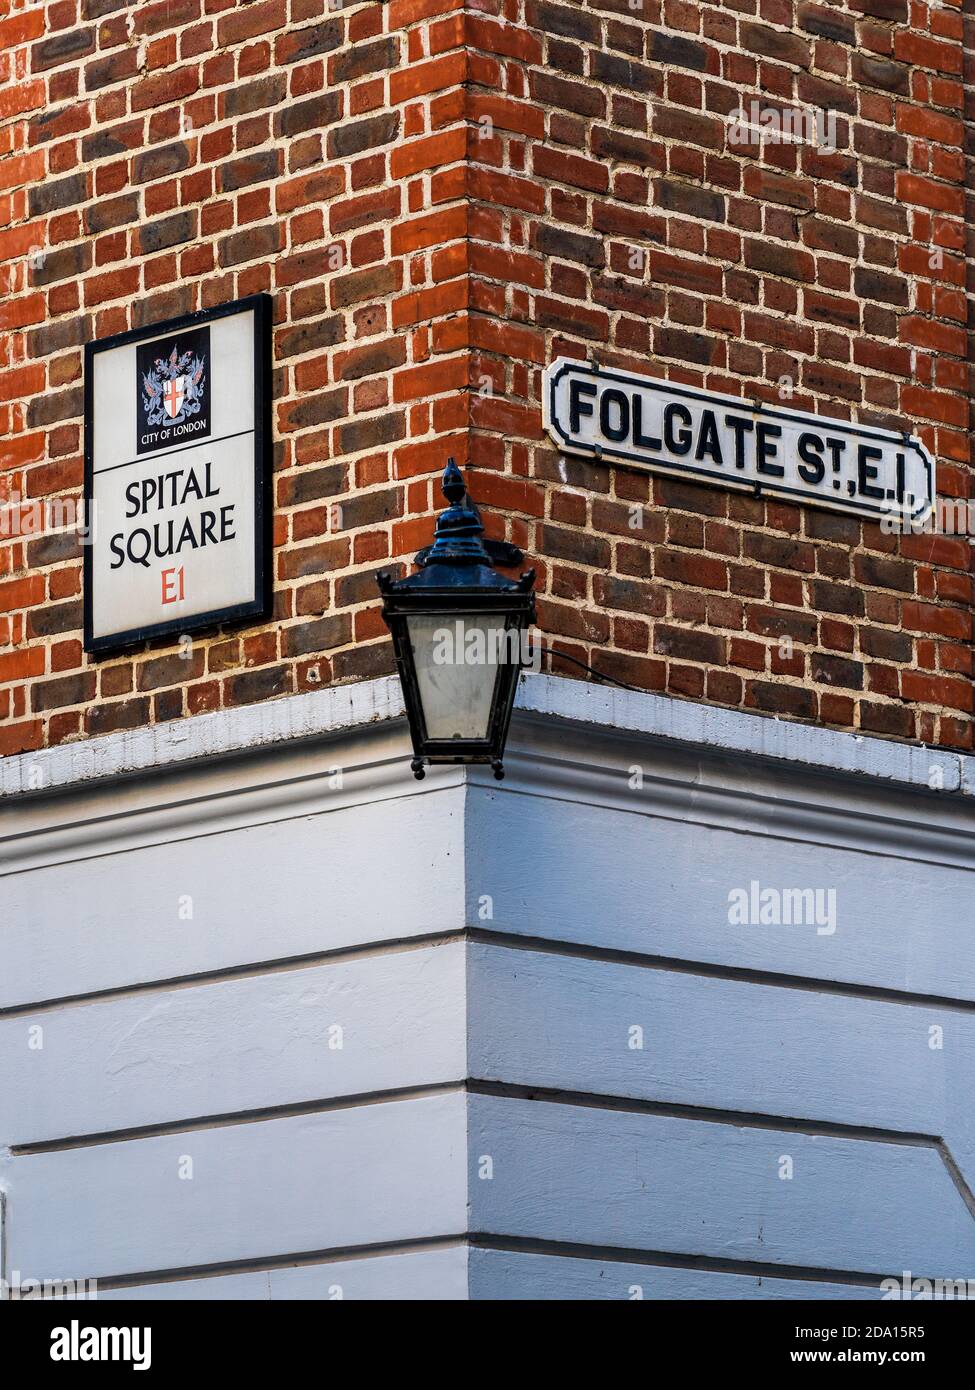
pixel 258 607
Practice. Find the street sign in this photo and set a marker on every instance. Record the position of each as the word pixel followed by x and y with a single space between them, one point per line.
pixel 621 417
pixel 177 433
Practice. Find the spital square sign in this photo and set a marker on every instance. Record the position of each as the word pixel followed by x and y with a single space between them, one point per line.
pixel 664 427
pixel 176 475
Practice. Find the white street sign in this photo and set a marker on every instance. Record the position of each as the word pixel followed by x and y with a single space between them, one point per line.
pixel 176 475
pixel 663 427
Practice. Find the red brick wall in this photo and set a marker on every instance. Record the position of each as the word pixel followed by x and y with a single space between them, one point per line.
pixel 440 200
pixel 159 158
pixel 758 265
pixel 968 78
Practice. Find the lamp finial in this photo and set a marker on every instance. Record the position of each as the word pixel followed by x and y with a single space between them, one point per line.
pixel 453 486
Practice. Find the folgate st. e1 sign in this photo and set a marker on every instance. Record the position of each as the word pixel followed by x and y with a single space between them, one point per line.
pixel 177 431
pixel 664 427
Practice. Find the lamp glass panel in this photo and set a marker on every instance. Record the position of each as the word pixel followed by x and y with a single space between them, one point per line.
pixel 457 662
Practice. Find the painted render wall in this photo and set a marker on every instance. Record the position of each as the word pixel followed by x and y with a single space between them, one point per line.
pixel 486 1130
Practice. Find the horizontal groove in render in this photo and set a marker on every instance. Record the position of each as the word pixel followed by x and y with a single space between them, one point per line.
pixel 501 1243
pixel 667 1259
pixel 554 946
pixel 745 974
pixel 503 1090
pixel 236 1117
pixel 268 1263
pixel 392 946
pixel 739 1119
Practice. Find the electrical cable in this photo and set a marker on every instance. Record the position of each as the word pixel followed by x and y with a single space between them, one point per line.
pixel 599 677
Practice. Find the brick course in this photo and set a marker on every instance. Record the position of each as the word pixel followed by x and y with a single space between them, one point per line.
pixel 761 269
pixel 441 198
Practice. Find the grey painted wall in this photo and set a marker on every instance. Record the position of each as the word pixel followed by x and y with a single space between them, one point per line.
pixel 278 1022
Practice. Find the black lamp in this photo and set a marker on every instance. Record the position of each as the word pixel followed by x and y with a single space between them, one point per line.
pixel 457 630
